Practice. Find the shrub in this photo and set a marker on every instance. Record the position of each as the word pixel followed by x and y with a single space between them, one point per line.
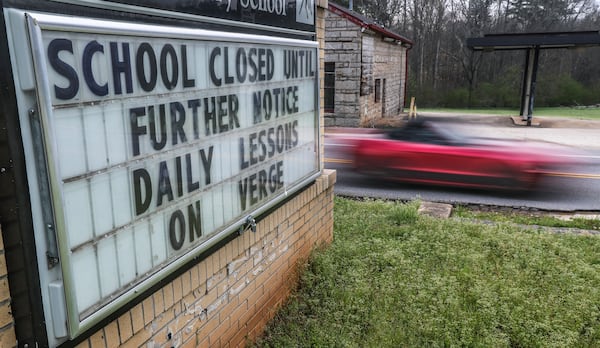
pixel 456 98
pixel 565 91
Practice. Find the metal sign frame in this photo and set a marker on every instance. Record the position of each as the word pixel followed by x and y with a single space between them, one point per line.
pixel 38 23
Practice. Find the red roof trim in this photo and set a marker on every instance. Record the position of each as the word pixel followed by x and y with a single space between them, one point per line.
pixel 366 22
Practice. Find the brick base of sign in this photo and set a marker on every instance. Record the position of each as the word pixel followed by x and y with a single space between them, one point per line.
pixel 226 299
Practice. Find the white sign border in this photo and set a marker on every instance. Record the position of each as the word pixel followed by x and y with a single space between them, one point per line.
pixel 38 22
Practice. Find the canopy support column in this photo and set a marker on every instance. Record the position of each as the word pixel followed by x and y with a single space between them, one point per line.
pixel 529 81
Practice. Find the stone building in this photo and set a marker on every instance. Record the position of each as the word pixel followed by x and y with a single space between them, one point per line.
pixel 365 69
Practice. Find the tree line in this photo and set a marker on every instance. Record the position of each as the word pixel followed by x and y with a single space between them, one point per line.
pixel 444 72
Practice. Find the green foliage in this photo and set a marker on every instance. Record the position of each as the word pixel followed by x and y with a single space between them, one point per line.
pixel 425 95
pixel 496 95
pixel 456 98
pixel 564 91
pixel 574 112
pixel 551 91
pixel 491 95
pixel 392 278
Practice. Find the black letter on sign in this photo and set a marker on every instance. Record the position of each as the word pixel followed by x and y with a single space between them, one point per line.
pixel 243 163
pixel 228 78
pixel 177 122
pixel 177 236
pixel 147 85
pixel 88 74
pixel 121 67
pixel 191 184
pixel 211 66
pixel 187 82
pixel 206 163
pixel 270 64
pixel 243 191
pixel 63 68
pixel 195 222
pixel 164 184
pixel 241 64
pixel 162 119
pixel 194 104
pixel 296 138
pixel 136 130
pixel 168 50
pixel 142 197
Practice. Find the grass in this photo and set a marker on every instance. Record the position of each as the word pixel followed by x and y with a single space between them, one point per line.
pixel 569 112
pixel 393 278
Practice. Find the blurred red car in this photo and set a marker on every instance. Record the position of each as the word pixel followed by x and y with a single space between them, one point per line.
pixel 424 152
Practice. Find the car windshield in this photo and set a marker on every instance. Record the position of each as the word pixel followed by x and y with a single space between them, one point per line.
pixel 428 133
pixel 452 136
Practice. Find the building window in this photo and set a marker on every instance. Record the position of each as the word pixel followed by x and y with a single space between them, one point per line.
pixel 377 90
pixel 329 87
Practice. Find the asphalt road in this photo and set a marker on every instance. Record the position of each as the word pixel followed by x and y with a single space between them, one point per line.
pixel 577 189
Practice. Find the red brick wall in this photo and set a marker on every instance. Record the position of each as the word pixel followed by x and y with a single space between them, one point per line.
pixel 227 299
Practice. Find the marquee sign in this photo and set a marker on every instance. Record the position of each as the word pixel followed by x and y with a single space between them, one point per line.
pixel 160 141
pixel 291 14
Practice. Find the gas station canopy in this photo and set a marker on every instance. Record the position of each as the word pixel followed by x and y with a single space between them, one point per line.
pixel 532 43
pixel 519 41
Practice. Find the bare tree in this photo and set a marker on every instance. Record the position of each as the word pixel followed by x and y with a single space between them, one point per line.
pixel 426 19
pixel 385 12
pixel 440 62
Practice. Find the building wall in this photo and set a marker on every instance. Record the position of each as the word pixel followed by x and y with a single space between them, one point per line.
pixel 362 57
pixel 343 47
pixel 368 108
pixel 227 298
pixel 384 61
